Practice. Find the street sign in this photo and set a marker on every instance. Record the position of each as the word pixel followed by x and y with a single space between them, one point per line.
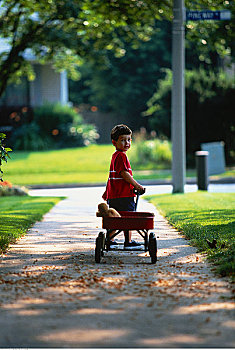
pixel 208 15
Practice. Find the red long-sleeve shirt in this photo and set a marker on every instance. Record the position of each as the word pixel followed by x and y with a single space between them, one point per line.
pixel 116 186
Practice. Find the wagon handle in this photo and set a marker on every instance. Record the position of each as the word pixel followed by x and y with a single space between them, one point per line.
pixel 138 193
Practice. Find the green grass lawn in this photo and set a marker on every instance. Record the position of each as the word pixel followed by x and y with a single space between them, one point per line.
pixel 74 165
pixel 18 214
pixel 71 166
pixel 201 216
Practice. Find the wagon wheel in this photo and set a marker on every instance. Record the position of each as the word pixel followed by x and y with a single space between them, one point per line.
pixel 99 248
pixel 102 238
pixel 153 248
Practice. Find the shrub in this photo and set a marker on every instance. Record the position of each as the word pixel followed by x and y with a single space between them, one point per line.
pixel 54 126
pixel 51 117
pixel 7 189
pixel 153 151
pixel 78 136
pixel 161 152
pixel 29 137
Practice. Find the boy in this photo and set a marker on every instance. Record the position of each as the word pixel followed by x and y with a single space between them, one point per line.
pixel 119 190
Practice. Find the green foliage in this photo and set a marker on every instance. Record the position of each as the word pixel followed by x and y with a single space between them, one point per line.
pixel 140 68
pixel 55 116
pixel 63 32
pixel 159 106
pixel 18 214
pixel 66 32
pixel 53 126
pixel 212 40
pixel 204 216
pixel 3 153
pixel 28 137
pixel 210 108
pixel 146 154
pixel 137 73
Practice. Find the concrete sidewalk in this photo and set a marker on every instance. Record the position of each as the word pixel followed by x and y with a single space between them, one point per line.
pixel 53 294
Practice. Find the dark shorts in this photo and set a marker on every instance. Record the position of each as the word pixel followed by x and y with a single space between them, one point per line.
pixel 122 204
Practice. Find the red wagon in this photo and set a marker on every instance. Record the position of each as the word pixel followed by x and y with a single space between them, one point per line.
pixel 141 222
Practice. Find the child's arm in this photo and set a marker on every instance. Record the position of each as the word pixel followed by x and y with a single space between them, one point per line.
pixel 128 178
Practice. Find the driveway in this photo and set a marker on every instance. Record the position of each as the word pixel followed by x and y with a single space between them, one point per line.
pixel 54 295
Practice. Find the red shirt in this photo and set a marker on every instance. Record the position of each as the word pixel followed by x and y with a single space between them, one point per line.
pixel 117 187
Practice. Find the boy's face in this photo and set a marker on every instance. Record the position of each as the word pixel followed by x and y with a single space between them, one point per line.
pixel 123 143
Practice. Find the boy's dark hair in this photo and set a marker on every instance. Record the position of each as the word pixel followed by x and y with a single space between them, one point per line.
pixel 119 130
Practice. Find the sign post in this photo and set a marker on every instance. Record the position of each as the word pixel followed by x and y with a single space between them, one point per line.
pixel 178 87
pixel 178 99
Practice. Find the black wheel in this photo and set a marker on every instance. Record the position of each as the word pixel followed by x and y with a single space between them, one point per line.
pixel 153 248
pixel 98 249
pixel 102 238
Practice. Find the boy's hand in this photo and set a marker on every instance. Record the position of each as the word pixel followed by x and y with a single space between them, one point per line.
pixel 139 188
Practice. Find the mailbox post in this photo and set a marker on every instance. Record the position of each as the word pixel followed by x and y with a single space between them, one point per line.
pixel 202 170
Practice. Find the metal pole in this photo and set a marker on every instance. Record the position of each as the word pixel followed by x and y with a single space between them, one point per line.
pixel 178 99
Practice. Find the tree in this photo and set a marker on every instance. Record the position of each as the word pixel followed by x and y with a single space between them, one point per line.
pixel 124 85
pixel 210 108
pixel 213 40
pixel 65 32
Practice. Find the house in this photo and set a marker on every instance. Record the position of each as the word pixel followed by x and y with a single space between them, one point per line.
pixel 48 86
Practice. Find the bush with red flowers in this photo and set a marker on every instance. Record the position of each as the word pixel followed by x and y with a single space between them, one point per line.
pixel 7 189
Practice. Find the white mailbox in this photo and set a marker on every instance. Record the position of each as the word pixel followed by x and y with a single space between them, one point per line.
pixel 216 158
